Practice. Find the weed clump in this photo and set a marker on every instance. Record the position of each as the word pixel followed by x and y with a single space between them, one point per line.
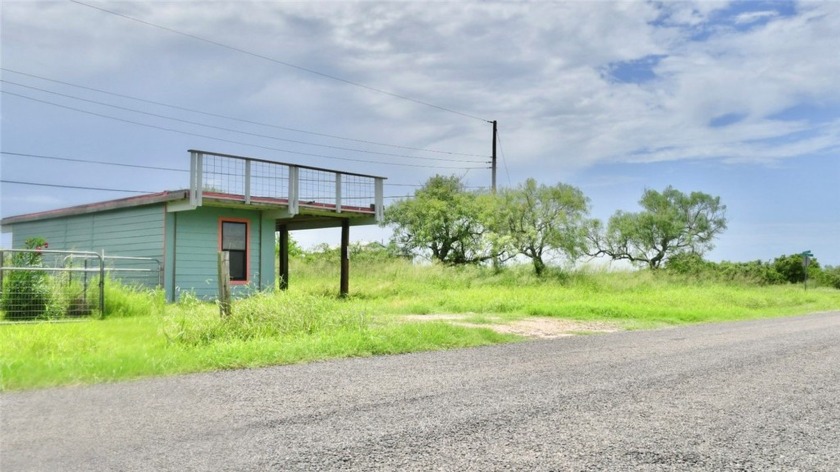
pixel 263 316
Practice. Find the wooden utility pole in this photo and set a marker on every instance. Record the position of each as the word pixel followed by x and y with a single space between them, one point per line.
pixel 493 162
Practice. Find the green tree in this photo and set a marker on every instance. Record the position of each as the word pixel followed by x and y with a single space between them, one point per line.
pixel 830 276
pixel 670 223
pixel 443 220
pixel 792 268
pixel 538 220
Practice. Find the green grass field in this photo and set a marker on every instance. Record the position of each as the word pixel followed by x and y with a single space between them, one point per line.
pixel 143 337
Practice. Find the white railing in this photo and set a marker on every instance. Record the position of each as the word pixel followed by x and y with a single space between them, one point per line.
pixel 250 180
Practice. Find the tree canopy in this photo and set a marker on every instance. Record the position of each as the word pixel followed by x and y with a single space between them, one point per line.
pixel 443 219
pixel 670 223
pixel 535 220
pixel 452 225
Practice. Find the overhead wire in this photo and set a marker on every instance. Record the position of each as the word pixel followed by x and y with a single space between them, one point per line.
pixel 299 153
pixel 504 161
pixel 104 189
pixel 136 166
pixel 89 161
pixel 277 61
pixel 78 187
pixel 216 115
pixel 247 133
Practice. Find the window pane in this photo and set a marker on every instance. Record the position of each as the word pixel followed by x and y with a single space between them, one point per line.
pixel 237 265
pixel 234 236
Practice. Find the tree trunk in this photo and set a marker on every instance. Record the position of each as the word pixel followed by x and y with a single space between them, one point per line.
pixel 539 266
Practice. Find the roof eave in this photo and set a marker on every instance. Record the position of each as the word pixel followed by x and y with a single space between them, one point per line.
pixel 140 200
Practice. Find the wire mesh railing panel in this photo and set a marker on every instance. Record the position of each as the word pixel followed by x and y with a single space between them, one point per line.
pixel 269 180
pixel 358 191
pixel 317 187
pixel 251 180
pixel 223 175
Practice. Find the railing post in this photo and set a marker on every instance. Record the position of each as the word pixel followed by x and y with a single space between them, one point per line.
pixel 337 192
pixel 193 165
pixel 294 189
pixel 247 181
pixel 196 178
pixel 379 199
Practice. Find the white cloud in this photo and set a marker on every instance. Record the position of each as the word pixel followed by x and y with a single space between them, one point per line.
pixel 751 17
pixel 535 67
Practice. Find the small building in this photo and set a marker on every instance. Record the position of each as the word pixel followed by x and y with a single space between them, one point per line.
pixel 236 204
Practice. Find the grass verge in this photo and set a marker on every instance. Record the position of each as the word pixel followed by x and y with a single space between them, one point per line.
pixel 308 323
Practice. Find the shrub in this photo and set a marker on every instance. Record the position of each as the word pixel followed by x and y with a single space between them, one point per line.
pixel 26 294
pixel 830 277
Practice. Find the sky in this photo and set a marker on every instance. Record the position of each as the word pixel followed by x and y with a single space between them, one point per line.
pixel 735 99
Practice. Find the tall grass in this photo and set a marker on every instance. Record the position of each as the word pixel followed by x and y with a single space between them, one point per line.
pixel 641 298
pixel 141 336
pixel 263 315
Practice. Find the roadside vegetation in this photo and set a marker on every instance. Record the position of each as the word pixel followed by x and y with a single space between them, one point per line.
pixel 507 257
pixel 141 336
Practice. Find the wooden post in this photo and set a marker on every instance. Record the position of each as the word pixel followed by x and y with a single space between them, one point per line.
pixel 345 258
pixel 283 257
pixel 224 284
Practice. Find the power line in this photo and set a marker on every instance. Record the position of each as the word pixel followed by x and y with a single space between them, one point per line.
pixel 299 153
pixel 78 187
pixel 101 189
pixel 216 115
pixel 88 161
pixel 504 161
pixel 277 61
pixel 221 128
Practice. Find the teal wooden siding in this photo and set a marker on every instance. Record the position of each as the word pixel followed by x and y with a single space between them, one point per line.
pixel 185 242
pixel 137 232
pixel 196 244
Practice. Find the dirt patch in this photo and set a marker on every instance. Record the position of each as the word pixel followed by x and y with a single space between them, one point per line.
pixel 535 327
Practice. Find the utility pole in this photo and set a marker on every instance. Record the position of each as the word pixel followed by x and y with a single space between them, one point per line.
pixel 493 162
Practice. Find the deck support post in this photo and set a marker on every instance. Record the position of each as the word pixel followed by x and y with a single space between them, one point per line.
pixel 345 258
pixel 283 257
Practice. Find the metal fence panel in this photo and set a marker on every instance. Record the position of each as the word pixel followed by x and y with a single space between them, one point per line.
pixel 39 284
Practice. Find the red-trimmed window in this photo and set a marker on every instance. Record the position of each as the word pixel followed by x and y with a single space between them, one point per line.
pixel 233 238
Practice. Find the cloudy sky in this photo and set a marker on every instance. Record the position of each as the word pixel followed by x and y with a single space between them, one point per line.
pixel 736 99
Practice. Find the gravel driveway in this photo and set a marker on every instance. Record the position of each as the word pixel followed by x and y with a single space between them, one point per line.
pixel 759 395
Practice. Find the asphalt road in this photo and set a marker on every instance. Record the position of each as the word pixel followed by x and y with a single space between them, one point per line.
pixel 761 395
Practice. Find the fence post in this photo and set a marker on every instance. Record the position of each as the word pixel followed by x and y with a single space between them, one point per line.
pixel 102 284
pixel 224 284
pixel 2 261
